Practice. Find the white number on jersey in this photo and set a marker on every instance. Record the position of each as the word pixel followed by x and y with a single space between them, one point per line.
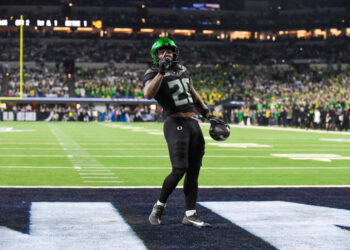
pixel 183 88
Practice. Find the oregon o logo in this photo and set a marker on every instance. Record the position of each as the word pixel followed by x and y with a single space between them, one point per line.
pixel 179 128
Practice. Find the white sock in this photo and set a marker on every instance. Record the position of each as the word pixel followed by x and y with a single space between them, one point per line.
pixel 160 204
pixel 190 212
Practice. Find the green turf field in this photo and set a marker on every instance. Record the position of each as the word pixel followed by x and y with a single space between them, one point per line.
pixel 135 154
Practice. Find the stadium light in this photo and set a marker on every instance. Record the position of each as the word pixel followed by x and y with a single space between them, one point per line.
pixel 240 35
pixel 146 30
pixel 303 34
pixel 184 32
pixel 335 32
pixel 208 32
pixel 123 30
pixel 319 32
pixel 65 29
pixel 347 31
pixel 85 29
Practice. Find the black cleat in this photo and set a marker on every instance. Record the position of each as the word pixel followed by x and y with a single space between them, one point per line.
pixel 156 214
pixel 194 220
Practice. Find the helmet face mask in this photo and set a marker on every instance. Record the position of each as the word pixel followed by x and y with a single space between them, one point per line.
pixel 164 43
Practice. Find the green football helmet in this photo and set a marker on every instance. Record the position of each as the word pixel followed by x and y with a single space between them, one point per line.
pixel 164 43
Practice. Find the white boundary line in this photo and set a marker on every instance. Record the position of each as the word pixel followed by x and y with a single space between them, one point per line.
pixel 134 156
pixel 158 187
pixel 292 129
pixel 210 148
pixel 105 169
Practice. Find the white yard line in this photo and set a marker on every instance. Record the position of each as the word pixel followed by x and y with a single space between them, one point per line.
pixel 99 177
pixel 96 173
pixel 85 143
pixel 103 181
pixel 210 148
pixel 97 170
pixel 105 169
pixel 292 129
pixel 77 155
pixel 179 187
pixel 134 156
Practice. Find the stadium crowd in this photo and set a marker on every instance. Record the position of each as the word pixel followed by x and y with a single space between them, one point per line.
pixel 282 50
pixel 315 98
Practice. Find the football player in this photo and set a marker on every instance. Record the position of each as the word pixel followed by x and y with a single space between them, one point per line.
pixel 170 84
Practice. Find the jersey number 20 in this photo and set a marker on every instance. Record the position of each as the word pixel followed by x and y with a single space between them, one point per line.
pixel 182 96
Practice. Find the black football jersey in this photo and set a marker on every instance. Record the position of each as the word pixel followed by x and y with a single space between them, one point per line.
pixel 174 94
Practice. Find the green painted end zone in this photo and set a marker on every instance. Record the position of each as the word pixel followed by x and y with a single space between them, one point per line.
pixel 135 154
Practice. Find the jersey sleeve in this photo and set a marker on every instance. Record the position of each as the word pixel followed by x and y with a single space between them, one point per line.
pixel 186 72
pixel 150 74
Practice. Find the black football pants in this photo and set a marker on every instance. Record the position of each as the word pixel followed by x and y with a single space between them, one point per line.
pixel 186 149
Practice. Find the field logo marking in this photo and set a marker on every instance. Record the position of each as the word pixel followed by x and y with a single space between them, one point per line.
pixel 11 130
pixel 288 225
pixel 73 225
pixel 238 145
pixel 314 157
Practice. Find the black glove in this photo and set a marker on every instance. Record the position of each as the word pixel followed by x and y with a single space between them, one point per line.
pixel 214 120
pixel 164 64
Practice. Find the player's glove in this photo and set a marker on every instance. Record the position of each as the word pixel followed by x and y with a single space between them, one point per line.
pixel 164 64
pixel 219 130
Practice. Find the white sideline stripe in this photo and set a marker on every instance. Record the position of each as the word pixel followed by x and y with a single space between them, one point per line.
pixel 99 177
pixel 83 143
pixel 179 187
pixel 96 173
pixel 97 170
pixel 85 164
pixel 92 149
pixel 140 156
pixel 292 129
pixel 279 168
pixel 168 168
pixel 104 181
pixel 210 148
